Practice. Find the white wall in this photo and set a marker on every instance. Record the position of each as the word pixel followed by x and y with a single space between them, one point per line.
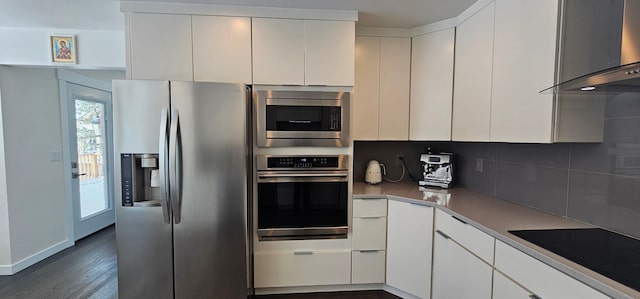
pixel 35 187
pixel 5 249
pixel 31 47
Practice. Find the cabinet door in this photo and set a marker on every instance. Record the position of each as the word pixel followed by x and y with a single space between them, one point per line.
pixel 328 53
pixel 395 71
pixel 278 51
pixel 524 64
pixel 366 90
pixel 160 47
pixel 369 233
pixel 367 266
pixel 457 273
pixel 543 280
pixel 505 288
pixel 409 240
pixel 432 86
pixel 472 77
pixel 221 49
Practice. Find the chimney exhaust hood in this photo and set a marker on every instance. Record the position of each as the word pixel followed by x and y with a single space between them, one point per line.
pixel 623 78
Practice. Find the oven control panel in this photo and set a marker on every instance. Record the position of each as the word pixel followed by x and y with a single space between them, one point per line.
pixel 303 162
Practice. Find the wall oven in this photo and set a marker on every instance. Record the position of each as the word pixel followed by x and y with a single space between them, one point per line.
pixel 301 118
pixel 302 197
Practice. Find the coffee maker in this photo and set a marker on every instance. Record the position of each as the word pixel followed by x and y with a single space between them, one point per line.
pixel 438 170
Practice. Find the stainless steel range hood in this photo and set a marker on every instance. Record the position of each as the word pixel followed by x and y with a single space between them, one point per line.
pixel 625 77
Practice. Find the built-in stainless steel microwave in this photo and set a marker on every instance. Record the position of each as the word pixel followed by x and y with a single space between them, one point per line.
pixel 301 118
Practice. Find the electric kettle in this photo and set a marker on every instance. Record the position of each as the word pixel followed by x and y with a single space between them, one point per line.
pixel 373 175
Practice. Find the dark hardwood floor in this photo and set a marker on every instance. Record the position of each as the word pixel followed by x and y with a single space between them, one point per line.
pixel 88 270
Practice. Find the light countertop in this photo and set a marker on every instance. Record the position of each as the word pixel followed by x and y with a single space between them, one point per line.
pixel 496 217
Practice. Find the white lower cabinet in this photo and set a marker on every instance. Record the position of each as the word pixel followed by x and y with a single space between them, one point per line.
pixel 369 240
pixel 369 233
pixel 505 288
pixel 541 279
pixel 302 268
pixel 409 247
pixel 367 266
pixel 457 273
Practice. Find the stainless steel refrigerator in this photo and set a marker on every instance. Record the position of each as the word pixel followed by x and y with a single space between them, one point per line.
pixel 181 176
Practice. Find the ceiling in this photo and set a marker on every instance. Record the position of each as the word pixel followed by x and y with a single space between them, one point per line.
pixel 105 14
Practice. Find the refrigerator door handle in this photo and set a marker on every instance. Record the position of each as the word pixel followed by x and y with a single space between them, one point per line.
pixel 164 177
pixel 175 166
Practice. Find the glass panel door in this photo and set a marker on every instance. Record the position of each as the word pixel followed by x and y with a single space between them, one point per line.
pixel 91 157
pixel 90 153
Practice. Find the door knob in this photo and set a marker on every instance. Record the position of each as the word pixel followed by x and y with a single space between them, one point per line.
pixel 76 175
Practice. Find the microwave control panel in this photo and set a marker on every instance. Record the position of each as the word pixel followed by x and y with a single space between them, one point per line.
pixel 303 162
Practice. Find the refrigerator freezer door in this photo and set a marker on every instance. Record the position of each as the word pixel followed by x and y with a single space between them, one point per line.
pixel 209 241
pixel 144 240
pixel 136 114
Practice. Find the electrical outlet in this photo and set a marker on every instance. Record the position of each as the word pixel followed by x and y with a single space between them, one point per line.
pixel 479 166
pixel 399 159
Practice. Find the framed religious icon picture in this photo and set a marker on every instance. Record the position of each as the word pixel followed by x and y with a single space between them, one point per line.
pixel 63 49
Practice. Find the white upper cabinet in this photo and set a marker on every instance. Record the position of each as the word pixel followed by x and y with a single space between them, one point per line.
pixel 303 52
pixel 222 49
pixel 432 86
pixel 472 89
pixel 278 51
pixel 160 47
pixel 524 63
pixel 328 55
pixel 366 90
pixel 395 72
pixel 381 90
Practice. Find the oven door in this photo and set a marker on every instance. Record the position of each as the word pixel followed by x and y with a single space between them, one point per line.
pixel 295 205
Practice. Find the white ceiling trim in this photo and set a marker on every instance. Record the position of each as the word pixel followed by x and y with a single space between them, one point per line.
pixel 239 11
pixel 386 32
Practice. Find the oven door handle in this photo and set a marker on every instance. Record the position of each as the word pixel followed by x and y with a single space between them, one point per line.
pixel 303 175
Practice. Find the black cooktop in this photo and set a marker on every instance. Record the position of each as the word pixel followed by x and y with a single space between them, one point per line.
pixel 608 253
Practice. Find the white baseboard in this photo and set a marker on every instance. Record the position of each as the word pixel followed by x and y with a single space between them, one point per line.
pixel 33 259
pixel 315 289
pixel 399 293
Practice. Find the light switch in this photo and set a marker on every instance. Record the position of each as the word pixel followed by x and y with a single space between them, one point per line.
pixel 55 156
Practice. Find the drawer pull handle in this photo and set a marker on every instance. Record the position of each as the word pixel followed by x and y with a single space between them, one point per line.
pixel 371 217
pixel 534 297
pixel 443 234
pixel 456 218
pixel 368 251
pixel 303 252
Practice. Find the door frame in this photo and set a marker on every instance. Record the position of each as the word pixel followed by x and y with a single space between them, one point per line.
pixel 64 77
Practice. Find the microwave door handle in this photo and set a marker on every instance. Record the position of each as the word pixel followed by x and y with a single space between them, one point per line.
pixel 299 121
pixel 164 176
pixel 175 171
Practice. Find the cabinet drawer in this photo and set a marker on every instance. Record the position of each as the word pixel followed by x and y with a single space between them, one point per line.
pixel 373 207
pixel 367 266
pixel 369 233
pixel 473 239
pixel 301 268
pixel 541 279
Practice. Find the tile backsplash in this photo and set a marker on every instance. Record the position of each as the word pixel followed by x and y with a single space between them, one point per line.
pixel 598 183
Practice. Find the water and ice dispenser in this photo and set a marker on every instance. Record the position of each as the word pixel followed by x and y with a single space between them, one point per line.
pixel 140 180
